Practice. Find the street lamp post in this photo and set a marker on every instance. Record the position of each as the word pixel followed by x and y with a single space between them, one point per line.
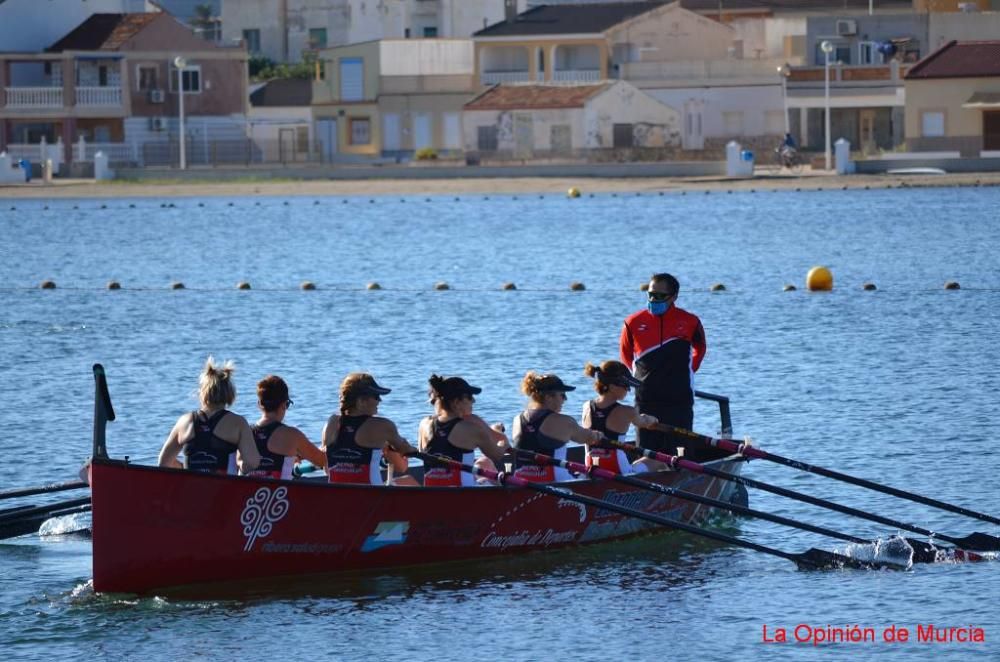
pixel 827 48
pixel 784 71
pixel 181 64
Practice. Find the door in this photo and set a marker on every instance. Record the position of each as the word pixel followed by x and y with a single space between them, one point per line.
pixel 692 137
pixel 991 130
pixel 452 131
pixel 866 120
pixel 326 134
pixel 391 133
pixel 524 136
pixel 422 134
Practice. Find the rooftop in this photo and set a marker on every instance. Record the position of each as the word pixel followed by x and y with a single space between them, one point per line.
pixel 539 97
pixel 103 32
pixel 282 92
pixel 960 59
pixel 591 18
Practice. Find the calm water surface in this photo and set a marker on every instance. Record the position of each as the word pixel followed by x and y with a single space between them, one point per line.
pixel 898 385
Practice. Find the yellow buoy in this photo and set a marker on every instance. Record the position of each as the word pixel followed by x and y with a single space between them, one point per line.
pixel 243 285
pixel 442 286
pixel 869 287
pixel 509 286
pixel 819 279
pixel 114 285
pixel 718 287
pixel 48 285
pixel 373 286
pixel 577 286
pixel 573 192
pixel 177 285
pixel 308 285
pixel 952 285
pixel 789 288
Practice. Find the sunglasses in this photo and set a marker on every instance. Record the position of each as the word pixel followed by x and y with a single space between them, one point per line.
pixel 289 402
pixel 659 296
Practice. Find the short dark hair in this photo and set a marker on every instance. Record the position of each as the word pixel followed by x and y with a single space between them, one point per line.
pixel 272 392
pixel 672 285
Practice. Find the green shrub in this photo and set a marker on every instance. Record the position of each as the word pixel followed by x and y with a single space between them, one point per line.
pixel 426 154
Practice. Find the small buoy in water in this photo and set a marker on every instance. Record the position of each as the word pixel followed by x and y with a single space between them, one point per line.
pixel 114 285
pixel 441 286
pixel 229 204
pixel 308 285
pixel 285 203
pixel 684 192
pixel 243 285
pixel 718 287
pixel 660 193
pixel 370 201
pixel 573 192
pixel 201 204
pixel 869 287
pixel 373 286
pixel 644 287
pixel 789 288
pixel 577 286
pixel 343 202
pixel 131 206
pixel 708 193
pixel 315 202
pixel 104 206
pixel 256 204
pixel 819 279
pixel 952 285
pixel 48 285
pixel 508 286
pixel 177 285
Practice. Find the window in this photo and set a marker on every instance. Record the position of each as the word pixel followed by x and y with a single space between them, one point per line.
pixel 868 53
pixel 932 123
pixel 192 79
pixel 352 79
pixel 430 32
pixel 302 139
pixel 317 38
pixel 486 138
pixel 148 77
pixel 841 53
pixel 252 39
pixel 361 132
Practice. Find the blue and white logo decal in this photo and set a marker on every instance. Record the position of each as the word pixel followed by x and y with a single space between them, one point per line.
pixel 386 533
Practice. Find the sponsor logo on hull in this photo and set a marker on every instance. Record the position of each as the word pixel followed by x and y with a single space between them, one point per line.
pixel 386 534
pixel 261 511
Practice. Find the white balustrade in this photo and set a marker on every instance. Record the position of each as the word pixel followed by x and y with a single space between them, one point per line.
pixel 576 75
pixel 34 97
pixel 99 96
pixel 494 77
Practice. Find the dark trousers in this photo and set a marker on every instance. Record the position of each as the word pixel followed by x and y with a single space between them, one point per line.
pixel 679 416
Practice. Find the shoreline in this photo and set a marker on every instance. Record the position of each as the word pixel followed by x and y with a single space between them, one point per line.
pixel 85 188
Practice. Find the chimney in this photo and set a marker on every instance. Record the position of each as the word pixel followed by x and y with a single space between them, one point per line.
pixel 509 10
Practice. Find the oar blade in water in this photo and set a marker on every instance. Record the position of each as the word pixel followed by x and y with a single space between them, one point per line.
pixel 818 559
pixel 979 542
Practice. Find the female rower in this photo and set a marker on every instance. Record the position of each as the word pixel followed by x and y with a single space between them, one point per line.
pixel 211 436
pixel 279 445
pixel 608 415
pixel 542 429
pixel 356 439
pixel 454 431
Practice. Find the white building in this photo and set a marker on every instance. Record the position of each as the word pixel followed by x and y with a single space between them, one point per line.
pixel 282 30
pixel 29 26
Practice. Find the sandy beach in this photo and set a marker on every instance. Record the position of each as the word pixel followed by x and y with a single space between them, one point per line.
pixel 81 188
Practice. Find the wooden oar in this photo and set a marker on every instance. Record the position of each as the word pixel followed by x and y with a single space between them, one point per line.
pixel 923 552
pixel 810 559
pixel 43 489
pixel 731 446
pixel 979 542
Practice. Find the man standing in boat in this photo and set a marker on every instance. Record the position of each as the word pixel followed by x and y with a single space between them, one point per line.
pixel 663 345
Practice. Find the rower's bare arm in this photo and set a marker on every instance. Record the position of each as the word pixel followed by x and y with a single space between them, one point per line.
pixel 424 433
pixel 396 442
pixel 330 429
pixel 582 435
pixel 644 420
pixel 496 432
pixel 171 449
pixel 486 444
pixel 249 457
pixel 585 415
pixel 306 450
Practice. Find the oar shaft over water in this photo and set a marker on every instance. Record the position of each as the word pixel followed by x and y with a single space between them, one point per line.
pixel 750 451
pixel 43 489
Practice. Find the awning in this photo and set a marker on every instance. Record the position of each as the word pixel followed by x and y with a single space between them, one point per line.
pixel 983 100
pixel 901 40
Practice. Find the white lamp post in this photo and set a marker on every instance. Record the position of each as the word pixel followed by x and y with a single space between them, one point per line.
pixel 784 71
pixel 827 48
pixel 181 64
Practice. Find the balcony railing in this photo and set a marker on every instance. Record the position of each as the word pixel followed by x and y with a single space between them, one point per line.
pixel 34 97
pixel 99 96
pixel 576 75
pixel 494 77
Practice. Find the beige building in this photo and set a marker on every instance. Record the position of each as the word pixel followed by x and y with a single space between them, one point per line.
pixel 525 121
pixel 392 97
pixel 953 100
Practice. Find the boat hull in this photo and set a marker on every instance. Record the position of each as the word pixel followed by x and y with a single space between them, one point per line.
pixel 154 529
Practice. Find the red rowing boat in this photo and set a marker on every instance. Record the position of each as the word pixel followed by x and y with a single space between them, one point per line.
pixel 155 529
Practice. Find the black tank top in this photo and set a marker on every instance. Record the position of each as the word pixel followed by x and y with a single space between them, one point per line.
pixel 345 449
pixel 531 437
pixel 439 444
pixel 599 420
pixel 270 463
pixel 206 452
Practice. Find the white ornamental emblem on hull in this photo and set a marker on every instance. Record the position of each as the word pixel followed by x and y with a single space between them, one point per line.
pixel 263 509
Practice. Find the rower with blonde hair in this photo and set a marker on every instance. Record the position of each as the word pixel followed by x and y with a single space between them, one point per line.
pixel 211 436
pixel 542 429
pixel 607 414
pixel 355 439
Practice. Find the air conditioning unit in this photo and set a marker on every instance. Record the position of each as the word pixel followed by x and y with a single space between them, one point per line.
pixel 847 26
pixel 157 123
pixel 157 96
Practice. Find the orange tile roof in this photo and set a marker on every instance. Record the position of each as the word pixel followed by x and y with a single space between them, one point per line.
pixel 960 59
pixel 103 32
pixel 517 97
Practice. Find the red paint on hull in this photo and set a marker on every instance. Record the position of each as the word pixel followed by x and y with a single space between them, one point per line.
pixel 159 528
